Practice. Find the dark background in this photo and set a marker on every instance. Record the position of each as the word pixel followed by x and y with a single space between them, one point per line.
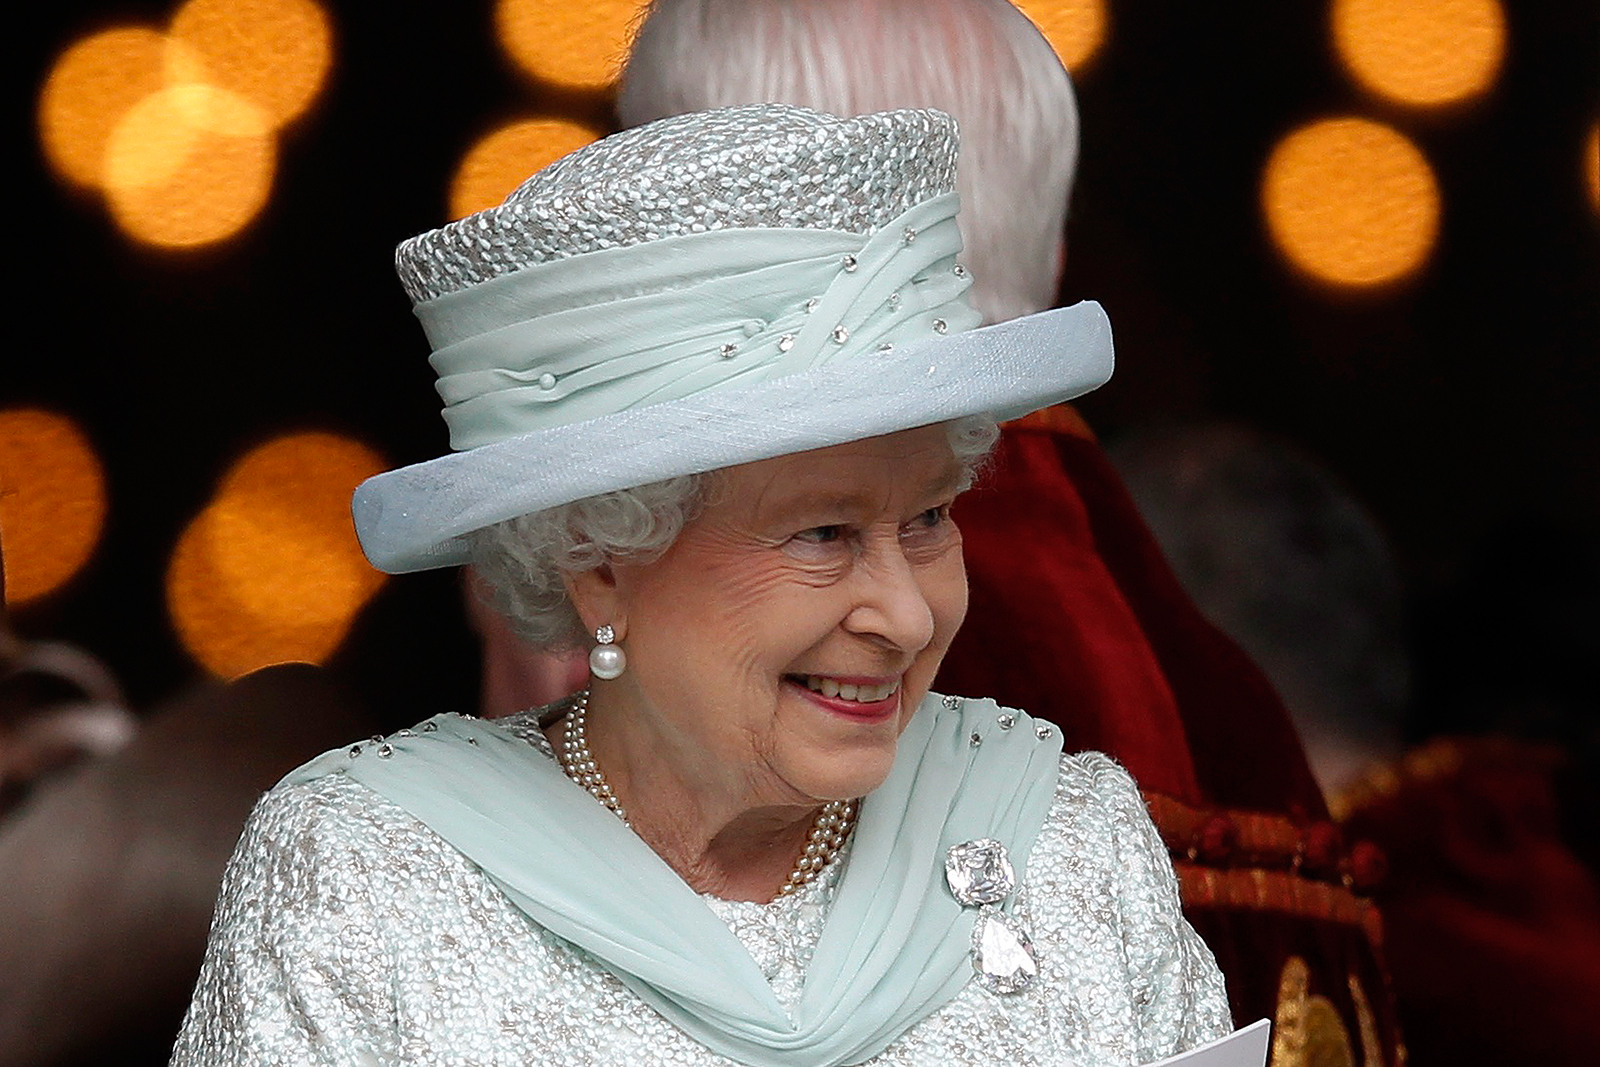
pixel 1457 404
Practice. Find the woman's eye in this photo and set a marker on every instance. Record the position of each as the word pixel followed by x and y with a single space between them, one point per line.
pixel 928 529
pixel 821 535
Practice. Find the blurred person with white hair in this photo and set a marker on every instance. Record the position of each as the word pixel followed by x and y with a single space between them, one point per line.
pixel 981 61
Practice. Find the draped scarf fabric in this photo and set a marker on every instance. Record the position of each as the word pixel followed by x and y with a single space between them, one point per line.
pixel 895 946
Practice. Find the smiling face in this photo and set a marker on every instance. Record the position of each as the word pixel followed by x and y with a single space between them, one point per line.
pixel 779 648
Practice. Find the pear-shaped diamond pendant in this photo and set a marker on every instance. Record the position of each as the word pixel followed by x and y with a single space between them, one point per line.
pixel 1002 953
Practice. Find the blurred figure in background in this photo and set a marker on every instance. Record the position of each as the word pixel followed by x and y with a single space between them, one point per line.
pixel 113 835
pixel 1291 566
pixel 1072 610
pixel 980 61
pixel 58 706
pixel 512 676
pixel 1491 903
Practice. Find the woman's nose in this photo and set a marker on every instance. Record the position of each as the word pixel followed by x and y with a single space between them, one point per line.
pixel 891 604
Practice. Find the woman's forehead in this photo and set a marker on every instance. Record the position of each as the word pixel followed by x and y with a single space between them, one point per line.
pixel 868 474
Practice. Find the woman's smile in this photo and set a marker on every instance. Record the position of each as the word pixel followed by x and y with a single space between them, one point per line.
pixel 860 697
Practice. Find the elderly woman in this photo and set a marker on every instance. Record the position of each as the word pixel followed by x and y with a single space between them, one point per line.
pixel 712 385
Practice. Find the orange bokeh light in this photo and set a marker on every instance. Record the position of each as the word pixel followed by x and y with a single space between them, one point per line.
pixel 90 88
pixel 225 640
pixel 274 53
pixel 1421 52
pixel 1076 29
pixel 163 134
pixel 179 129
pixel 270 571
pixel 173 179
pixel 579 45
pixel 1591 164
pixel 500 161
pixel 1351 201
pixel 52 501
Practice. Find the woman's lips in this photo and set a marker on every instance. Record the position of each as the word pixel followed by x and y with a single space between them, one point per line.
pixel 834 693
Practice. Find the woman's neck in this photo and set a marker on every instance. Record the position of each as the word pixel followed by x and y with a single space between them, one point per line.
pixel 716 841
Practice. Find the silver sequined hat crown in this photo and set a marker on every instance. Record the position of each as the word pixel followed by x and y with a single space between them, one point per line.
pixel 703 291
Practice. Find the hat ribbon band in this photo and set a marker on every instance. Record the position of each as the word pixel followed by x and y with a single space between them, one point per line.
pixel 574 339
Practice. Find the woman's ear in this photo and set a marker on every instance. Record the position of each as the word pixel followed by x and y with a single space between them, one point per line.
pixel 595 595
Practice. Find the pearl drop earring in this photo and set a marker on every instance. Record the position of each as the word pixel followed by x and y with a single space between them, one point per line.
pixel 606 658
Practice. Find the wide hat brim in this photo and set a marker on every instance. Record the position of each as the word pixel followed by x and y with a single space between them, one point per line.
pixel 415 518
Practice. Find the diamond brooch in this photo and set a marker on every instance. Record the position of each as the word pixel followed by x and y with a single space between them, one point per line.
pixel 980 875
pixel 979 872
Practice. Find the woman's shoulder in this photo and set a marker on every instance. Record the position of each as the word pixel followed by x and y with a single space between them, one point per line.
pixel 1095 799
pixel 328 805
pixel 1095 803
pixel 319 795
pixel 327 830
pixel 1099 828
pixel 1095 777
pixel 319 811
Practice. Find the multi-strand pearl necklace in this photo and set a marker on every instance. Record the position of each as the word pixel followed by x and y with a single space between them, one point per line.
pixel 828 834
pixel 578 761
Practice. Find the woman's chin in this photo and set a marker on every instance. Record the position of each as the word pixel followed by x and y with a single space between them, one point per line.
pixel 835 783
pixel 838 768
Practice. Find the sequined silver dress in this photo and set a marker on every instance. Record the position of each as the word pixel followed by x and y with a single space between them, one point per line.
pixel 348 933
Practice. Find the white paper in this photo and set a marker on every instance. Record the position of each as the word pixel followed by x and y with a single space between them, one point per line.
pixel 1242 1048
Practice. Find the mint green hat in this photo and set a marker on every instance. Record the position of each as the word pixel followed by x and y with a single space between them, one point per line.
pixel 707 290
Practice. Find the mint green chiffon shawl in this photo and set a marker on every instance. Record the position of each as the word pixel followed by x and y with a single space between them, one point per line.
pixel 896 944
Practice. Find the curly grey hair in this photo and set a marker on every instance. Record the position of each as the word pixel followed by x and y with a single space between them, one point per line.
pixel 523 560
